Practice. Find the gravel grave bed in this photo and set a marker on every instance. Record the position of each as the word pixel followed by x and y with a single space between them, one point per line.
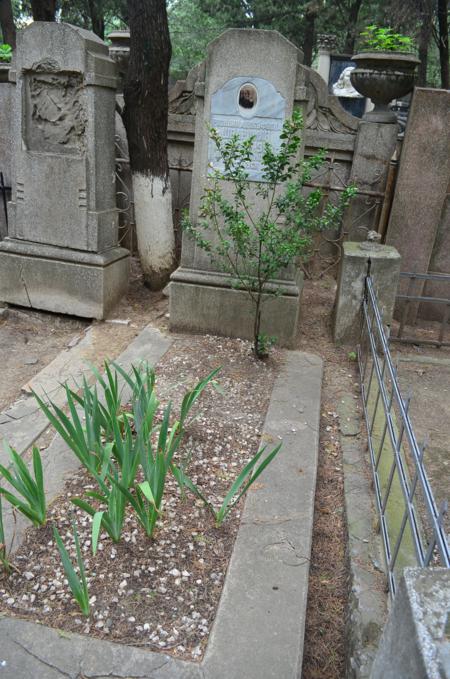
pixel 161 593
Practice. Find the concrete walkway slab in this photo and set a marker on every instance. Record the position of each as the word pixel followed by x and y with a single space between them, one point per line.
pixel 259 627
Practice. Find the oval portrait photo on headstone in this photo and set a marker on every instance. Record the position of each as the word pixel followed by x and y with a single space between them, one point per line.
pixel 248 96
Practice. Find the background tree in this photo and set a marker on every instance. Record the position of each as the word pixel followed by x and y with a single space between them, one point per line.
pixel 145 117
pixel 191 29
pixel 43 10
pixel 99 16
pixel 7 23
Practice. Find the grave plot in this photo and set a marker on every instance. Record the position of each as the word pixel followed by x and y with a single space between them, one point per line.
pixel 160 592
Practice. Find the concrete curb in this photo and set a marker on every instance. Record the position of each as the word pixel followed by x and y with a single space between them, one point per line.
pixel 259 628
pixel 368 597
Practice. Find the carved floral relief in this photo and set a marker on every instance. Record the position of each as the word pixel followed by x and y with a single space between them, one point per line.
pixel 56 117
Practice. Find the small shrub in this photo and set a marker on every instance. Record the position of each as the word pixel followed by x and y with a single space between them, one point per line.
pixel 255 245
pixel 383 39
pixel 30 500
pixel 78 584
pixel 5 53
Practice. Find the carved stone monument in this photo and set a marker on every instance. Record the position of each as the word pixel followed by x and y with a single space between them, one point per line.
pixel 61 252
pixel 252 79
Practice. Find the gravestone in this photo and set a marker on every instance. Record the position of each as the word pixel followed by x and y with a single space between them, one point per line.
pixel 61 252
pixel 252 80
pixel 419 221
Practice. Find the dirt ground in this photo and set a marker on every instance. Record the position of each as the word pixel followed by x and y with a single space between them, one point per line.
pixel 424 374
pixel 30 339
pixel 44 335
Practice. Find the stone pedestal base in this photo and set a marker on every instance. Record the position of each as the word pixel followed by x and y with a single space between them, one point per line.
pixel 385 272
pixel 64 281
pixel 205 302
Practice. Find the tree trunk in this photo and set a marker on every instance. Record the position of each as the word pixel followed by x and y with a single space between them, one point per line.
pixel 350 38
pixel 443 43
pixel 145 117
pixel 7 23
pixel 309 40
pixel 426 22
pixel 43 10
pixel 97 19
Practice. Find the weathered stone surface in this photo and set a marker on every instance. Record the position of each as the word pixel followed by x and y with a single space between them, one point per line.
pixel 415 644
pixel 63 202
pixel 214 308
pixel 384 269
pixel 420 208
pixel 374 147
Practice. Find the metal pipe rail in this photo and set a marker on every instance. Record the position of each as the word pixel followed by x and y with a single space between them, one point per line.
pixel 398 469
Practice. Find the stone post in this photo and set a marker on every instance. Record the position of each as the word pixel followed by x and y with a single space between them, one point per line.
pixel 415 642
pixel 61 252
pixel 385 271
pixel 374 147
pixel 6 96
pixel 326 44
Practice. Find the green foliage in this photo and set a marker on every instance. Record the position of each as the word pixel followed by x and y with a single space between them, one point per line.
pixel 265 343
pixel 191 29
pixel 252 246
pixel 5 53
pixel 4 560
pixel 101 436
pixel 78 584
pixel 383 39
pixel 30 500
pixel 238 488
pixel 352 356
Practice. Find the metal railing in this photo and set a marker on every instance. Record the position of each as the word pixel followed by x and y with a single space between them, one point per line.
pixel 411 526
pixel 408 305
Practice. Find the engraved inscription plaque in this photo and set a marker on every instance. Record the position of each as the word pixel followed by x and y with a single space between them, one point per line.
pixel 248 107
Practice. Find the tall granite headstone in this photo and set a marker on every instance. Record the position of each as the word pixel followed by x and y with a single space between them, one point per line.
pixel 419 222
pixel 61 252
pixel 249 85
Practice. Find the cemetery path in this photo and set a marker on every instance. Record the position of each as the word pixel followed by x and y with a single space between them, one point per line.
pixel 325 634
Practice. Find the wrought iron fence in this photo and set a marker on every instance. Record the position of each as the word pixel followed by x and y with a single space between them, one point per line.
pixel 410 523
pixel 327 250
pixel 407 307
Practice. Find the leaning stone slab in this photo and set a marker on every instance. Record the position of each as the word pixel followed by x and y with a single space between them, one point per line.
pixel 259 627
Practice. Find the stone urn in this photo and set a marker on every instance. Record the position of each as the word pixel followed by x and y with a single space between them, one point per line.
pixel 382 77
